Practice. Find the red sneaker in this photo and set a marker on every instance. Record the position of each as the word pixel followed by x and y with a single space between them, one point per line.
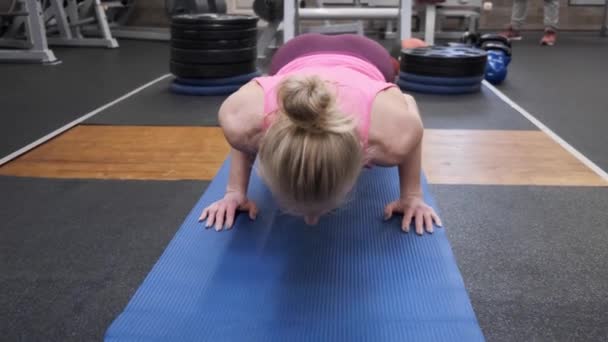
pixel 511 34
pixel 548 38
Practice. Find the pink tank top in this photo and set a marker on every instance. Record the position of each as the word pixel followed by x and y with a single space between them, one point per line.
pixel 357 83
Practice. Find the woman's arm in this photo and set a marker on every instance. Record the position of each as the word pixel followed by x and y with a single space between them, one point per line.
pixel 396 136
pixel 240 118
pixel 409 173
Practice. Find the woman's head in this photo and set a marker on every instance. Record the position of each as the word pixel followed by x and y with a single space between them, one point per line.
pixel 311 155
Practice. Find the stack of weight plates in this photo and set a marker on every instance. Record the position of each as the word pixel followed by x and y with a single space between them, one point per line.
pixel 442 69
pixel 212 54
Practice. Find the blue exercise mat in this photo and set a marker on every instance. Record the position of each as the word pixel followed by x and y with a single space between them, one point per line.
pixel 354 277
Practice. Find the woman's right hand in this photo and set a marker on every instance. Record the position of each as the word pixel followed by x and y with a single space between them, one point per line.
pixel 221 213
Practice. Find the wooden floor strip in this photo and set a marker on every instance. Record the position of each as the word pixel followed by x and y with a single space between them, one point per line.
pixel 126 152
pixel 174 153
pixel 501 157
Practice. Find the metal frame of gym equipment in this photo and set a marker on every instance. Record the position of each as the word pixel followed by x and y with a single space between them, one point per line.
pixel 34 48
pixel 292 15
pixel 469 10
pixel 38 24
pixel 604 30
pixel 120 30
pixel 336 28
pixel 269 38
pixel 429 14
pixel 67 23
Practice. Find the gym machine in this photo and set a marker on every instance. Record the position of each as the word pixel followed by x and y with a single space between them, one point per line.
pixel 120 29
pixel 28 27
pixel 27 14
pixel 390 10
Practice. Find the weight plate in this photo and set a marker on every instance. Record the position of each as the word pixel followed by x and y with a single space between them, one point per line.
pixel 493 37
pixel 436 80
pixel 184 89
pixel 494 45
pixel 213 35
pixel 214 18
pixel 214 56
pixel 183 70
pixel 444 54
pixel 212 27
pixel 444 71
pixel 240 79
pixel 438 89
pixel 213 44
pixel 441 63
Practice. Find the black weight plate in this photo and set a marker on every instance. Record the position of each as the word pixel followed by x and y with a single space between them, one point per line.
pixel 442 64
pixel 214 56
pixel 213 44
pixel 211 71
pixel 213 35
pixel 445 53
pixel 212 27
pixel 214 18
pixel 438 89
pixel 429 63
pixel 493 37
pixel 442 71
pixel 444 57
pixel 493 45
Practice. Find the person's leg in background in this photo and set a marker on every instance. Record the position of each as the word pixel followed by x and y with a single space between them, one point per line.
pixel 551 19
pixel 518 17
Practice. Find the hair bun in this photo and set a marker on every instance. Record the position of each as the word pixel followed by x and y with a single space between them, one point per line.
pixel 306 102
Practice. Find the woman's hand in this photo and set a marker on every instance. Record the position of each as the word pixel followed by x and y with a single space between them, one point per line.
pixel 223 211
pixel 413 207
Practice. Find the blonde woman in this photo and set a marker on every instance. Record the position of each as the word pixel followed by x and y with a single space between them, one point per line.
pixel 327 109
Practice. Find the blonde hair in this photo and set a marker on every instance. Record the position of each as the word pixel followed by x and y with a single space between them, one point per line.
pixel 311 155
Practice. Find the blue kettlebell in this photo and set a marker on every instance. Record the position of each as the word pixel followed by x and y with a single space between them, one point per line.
pixel 496 67
pixel 499 57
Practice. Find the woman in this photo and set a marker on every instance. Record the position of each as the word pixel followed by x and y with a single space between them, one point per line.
pixel 327 108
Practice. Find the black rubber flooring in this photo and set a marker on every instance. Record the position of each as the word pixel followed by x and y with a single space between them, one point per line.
pixel 38 99
pixel 566 88
pixel 74 251
pixel 157 106
pixel 534 259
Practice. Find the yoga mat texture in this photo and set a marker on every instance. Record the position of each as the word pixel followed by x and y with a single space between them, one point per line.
pixel 353 277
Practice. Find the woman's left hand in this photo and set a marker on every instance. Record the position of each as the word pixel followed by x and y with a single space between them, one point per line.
pixel 413 207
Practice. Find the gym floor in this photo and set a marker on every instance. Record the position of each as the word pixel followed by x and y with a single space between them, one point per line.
pixel 86 215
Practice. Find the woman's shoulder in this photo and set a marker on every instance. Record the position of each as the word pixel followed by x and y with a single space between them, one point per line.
pixel 395 126
pixel 241 116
